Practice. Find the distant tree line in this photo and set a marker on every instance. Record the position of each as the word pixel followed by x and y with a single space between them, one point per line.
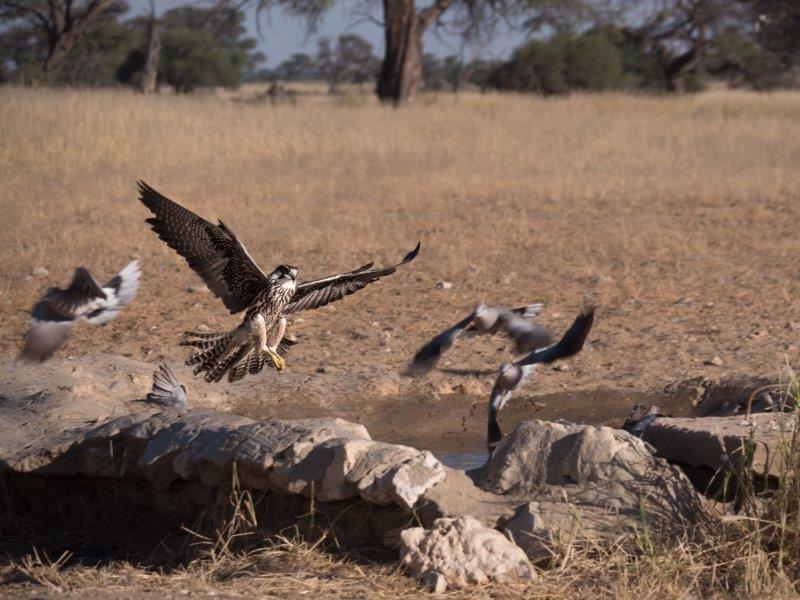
pixel 662 45
pixel 197 47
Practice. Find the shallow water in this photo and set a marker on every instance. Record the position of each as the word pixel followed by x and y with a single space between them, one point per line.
pixel 453 426
pixel 462 444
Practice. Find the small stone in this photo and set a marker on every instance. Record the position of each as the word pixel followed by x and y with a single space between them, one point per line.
pixel 435 582
pixel 442 387
pixel 561 366
pixel 471 387
pixel 698 392
pixel 40 272
pixel 602 280
pixel 715 362
pixel 444 285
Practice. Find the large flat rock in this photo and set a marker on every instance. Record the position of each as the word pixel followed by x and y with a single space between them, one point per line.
pixel 711 442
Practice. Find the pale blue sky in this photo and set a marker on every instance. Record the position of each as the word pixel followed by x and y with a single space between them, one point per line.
pixel 283 35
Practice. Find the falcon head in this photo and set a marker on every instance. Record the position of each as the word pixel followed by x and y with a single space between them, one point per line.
pixel 284 275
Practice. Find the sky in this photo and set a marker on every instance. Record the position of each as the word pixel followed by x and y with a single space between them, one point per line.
pixel 282 35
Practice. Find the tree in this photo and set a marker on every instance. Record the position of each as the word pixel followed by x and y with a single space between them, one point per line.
pixel 404 24
pixel 351 61
pixel 150 75
pixel 680 33
pixel 199 48
pixel 777 29
pixel 92 60
pixel 299 66
pixel 61 23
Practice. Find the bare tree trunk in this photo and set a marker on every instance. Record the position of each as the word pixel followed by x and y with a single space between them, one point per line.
pixel 150 75
pixel 64 29
pixel 401 71
pixel 57 55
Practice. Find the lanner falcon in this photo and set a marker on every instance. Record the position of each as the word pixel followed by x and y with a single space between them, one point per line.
pixel 220 259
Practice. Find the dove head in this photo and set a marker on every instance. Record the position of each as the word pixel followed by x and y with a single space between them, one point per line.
pixel 484 317
pixel 510 376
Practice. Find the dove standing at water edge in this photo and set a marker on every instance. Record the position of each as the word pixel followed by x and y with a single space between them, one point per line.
pixel 220 259
pixel 640 419
pixel 513 375
pixel 84 300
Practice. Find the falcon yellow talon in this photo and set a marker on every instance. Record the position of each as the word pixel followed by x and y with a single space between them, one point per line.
pixel 277 361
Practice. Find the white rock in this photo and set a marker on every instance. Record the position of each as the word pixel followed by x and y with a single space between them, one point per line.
pixel 40 272
pixel 462 552
pixel 444 285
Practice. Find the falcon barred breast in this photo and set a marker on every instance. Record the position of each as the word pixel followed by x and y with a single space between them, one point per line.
pixel 223 263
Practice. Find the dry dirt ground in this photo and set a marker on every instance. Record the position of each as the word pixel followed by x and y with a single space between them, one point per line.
pixel 677 216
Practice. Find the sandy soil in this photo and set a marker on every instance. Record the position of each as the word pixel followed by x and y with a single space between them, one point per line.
pixel 677 216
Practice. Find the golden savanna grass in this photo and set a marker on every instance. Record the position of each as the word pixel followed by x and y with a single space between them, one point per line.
pixel 678 215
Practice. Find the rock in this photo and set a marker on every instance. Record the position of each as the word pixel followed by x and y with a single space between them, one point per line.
pixel 561 366
pixel 605 475
pixel 198 289
pixel 539 527
pixel 40 272
pixel 442 387
pixel 434 582
pixel 90 430
pixel 601 280
pixel 80 425
pixel 444 285
pixel 709 441
pixel 382 386
pixel 462 552
pixel 715 362
pixel 470 387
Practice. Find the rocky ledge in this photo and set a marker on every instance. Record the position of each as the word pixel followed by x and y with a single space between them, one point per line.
pixel 545 481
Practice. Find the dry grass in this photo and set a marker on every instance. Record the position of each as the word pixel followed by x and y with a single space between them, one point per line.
pixel 678 214
pixel 658 207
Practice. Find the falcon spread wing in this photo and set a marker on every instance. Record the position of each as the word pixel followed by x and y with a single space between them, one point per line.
pixel 212 251
pixel 314 294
